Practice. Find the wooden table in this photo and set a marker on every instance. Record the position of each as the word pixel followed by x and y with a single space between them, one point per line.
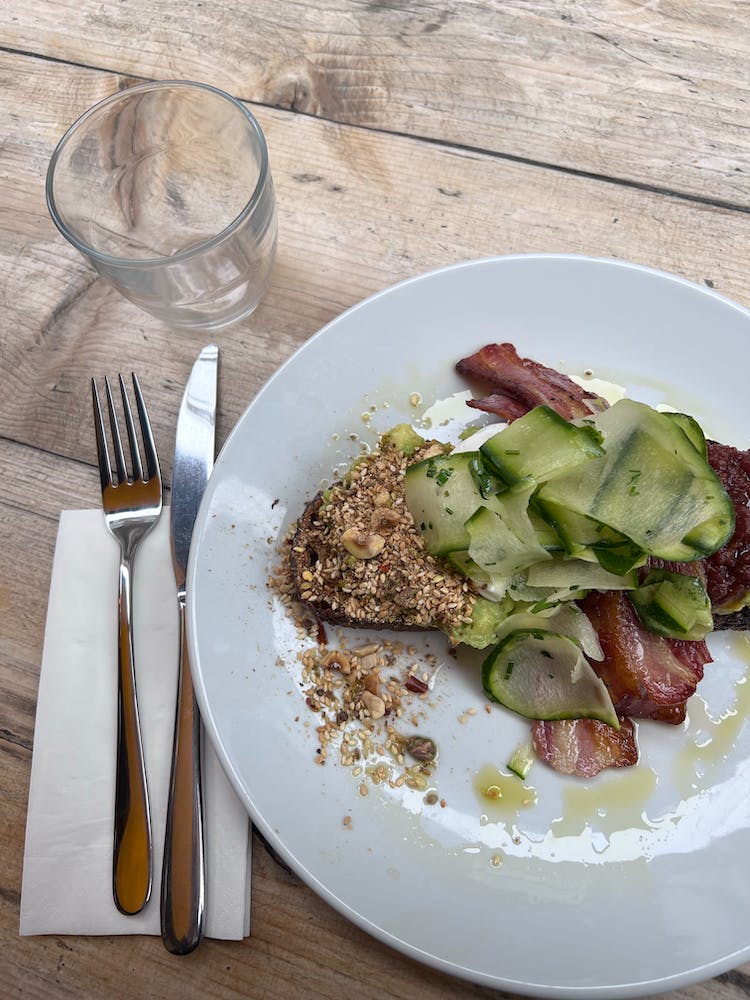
pixel 403 136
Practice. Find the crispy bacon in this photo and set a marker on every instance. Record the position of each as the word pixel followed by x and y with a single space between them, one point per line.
pixel 519 384
pixel 648 677
pixel 585 747
pixel 728 570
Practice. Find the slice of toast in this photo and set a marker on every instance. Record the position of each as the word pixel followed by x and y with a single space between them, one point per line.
pixel 357 559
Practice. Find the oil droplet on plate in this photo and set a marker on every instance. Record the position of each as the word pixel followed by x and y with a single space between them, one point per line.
pixel 698 764
pixel 502 795
pixel 608 804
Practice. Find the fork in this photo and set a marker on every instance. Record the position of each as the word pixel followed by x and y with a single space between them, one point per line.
pixel 131 508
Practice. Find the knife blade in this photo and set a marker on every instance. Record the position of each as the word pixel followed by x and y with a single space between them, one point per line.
pixel 183 871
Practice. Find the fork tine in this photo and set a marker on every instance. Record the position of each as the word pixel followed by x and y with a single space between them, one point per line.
pixel 149 447
pixel 122 472
pixel 134 451
pixel 105 472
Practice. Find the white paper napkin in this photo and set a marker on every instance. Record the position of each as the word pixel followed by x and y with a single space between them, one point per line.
pixel 67 872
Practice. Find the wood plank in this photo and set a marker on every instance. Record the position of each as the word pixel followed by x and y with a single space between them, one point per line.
pixel 351 227
pixel 653 93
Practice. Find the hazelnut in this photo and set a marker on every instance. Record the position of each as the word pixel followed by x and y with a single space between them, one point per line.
pixel 367 650
pixel 384 519
pixel 372 682
pixel 338 659
pixel 362 544
pixel 374 705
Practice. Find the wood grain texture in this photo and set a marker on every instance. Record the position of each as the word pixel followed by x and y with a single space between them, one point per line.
pixel 351 222
pixel 653 92
pixel 404 136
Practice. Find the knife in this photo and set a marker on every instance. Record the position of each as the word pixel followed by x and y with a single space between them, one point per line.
pixel 183 871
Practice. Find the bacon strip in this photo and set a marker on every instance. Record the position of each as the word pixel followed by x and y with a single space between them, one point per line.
pixel 585 747
pixel 648 677
pixel 519 384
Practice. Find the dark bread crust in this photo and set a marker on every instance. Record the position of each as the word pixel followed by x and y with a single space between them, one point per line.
pixel 737 621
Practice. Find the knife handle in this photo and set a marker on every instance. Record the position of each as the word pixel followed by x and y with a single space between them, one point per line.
pixel 183 872
pixel 132 865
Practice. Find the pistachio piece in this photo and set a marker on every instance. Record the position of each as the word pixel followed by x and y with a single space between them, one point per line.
pixel 382 499
pixel 421 748
pixel 362 544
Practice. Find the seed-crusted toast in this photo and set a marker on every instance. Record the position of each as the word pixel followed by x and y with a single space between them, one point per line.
pixel 357 559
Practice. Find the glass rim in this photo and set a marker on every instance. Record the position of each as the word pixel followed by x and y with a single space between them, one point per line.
pixel 193 250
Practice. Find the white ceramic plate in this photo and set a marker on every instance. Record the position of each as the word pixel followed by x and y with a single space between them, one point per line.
pixel 634 882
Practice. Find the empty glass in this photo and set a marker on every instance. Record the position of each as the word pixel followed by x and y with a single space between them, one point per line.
pixel 165 188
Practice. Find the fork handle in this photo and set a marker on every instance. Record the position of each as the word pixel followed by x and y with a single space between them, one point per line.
pixel 183 872
pixel 132 862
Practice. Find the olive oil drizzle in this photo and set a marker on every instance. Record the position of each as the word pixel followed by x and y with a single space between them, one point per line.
pixel 502 795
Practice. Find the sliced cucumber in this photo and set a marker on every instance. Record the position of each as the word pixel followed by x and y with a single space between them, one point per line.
pixel 544 531
pixel 590 540
pixel 652 486
pixel 673 605
pixel 522 759
pixel 441 495
pixel 495 546
pixel 544 675
pixel 565 619
pixel 578 574
pixel 540 444
pixel 692 429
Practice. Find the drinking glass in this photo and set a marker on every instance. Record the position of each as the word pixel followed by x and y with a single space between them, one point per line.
pixel 166 189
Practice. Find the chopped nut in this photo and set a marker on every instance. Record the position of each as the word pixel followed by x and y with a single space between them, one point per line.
pixel 362 544
pixel 384 519
pixel 370 661
pixel 337 658
pixel 372 682
pixel 367 650
pixel 382 499
pixel 374 705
